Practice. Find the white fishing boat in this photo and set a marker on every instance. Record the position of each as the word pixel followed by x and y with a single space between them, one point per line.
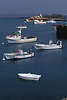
pixel 51 21
pixel 49 46
pixel 39 22
pixel 16 37
pixel 19 54
pixel 29 76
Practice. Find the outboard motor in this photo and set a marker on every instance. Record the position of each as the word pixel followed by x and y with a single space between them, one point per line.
pixel 59 43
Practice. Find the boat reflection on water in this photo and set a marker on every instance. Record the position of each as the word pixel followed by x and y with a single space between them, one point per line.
pixel 28 60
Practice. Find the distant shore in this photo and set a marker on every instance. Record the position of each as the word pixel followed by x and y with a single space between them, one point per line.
pixel 27 16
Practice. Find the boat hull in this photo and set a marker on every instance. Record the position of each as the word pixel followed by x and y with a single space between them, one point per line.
pixel 22 40
pixel 29 77
pixel 47 47
pixel 17 57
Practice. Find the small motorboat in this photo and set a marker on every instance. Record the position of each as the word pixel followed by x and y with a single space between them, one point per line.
pixel 49 46
pixel 39 22
pixel 29 76
pixel 19 54
pixel 16 37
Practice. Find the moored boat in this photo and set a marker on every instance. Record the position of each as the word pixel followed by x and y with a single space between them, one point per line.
pixel 39 22
pixel 29 76
pixel 49 46
pixel 26 39
pixel 51 21
pixel 16 37
pixel 19 54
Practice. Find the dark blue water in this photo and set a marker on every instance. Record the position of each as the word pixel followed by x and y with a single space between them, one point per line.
pixel 51 64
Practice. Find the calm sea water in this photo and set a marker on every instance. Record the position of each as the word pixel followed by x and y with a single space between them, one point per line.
pixel 51 64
